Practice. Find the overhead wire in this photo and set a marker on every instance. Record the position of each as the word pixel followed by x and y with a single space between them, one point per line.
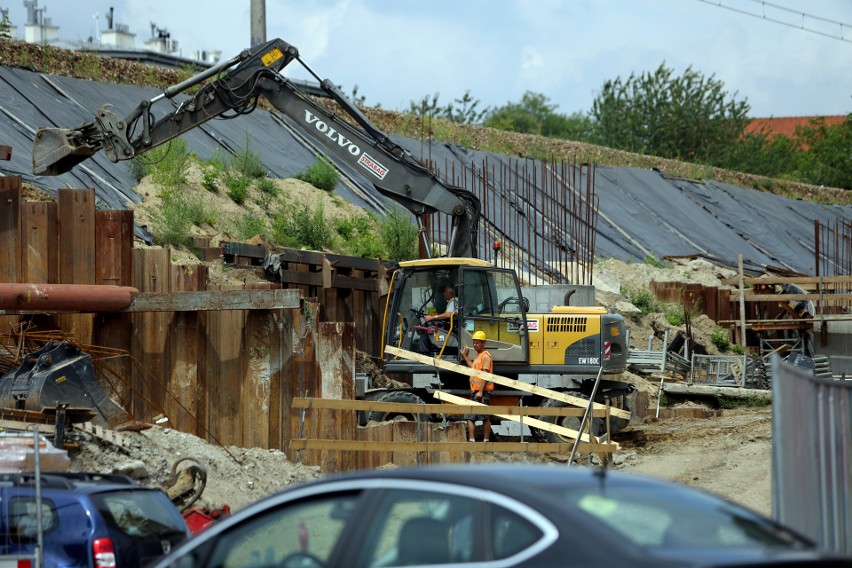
pixel 841 37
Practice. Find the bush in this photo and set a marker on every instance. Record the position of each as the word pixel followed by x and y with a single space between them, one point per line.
pixel 268 190
pixel 721 339
pixel 171 224
pixel 169 166
pixel 247 162
pixel 645 301
pixel 399 235
pixel 321 174
pixel 210 180
pixel 652 260
pixel 249 226
pixel 238 186
pixel 303 228
pixel 360 236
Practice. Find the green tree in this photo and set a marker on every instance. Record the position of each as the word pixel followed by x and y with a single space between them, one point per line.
pixel 534 114
pixel 689 117
pixel 5 25
pixel 758 153
pixel 828 160
pixel 463 110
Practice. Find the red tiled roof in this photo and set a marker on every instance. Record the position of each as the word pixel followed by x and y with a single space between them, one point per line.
pixel 786 126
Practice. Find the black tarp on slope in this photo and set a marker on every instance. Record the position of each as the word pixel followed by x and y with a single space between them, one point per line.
pixel 641 212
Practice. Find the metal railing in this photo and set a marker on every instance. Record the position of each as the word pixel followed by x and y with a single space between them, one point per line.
pixel 811 465
pixel 720 370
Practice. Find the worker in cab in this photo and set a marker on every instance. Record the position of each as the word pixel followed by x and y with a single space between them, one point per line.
pixel 441 320
pixel 480 389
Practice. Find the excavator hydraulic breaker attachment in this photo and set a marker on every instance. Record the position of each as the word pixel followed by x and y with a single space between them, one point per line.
pixel 57 150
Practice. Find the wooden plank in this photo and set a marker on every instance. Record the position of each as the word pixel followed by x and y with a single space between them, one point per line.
pixel 151 332
pixel 473 447
pixel 300 278
pixel 299 373
pixel 39 259
pixel 114 242
pixel 791 297
pixel 790 280
pixel 182 350
pixel 336 361
pixel 77 252
pixel 262 366
pixel 47 429
pixel 500 380
pixel 214 300
pixel 106 435
pixel 11 241
pixel 404 407
pixel 5 153
pixel 531 422
pixel 225 371
pixel 735 392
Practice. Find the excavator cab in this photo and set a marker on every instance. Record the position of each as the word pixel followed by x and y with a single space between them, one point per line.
pixel 486 299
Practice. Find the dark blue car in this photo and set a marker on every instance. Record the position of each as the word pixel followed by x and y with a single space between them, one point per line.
pixel 88 520
pixel 496 515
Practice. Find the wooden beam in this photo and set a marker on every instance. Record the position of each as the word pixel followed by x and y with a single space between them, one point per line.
pixel 733 392
pixel 214 300
pixel 790 280
pixel 791 297
pixel 531 422
pixel 473 447
pixel 451 409
pixel 5 153
pixel 505 381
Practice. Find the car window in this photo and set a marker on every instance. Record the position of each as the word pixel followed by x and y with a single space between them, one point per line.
pixel 511 533
pixel 301 534
pixel 412 528
pixel 671 517
pixel 140 514
pixel 23 518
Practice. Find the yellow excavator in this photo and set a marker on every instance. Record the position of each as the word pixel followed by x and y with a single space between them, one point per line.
pixel 566 349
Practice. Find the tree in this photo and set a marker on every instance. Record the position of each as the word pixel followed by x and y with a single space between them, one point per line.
pixel 5 25
pixel 462 110
pixel 828 160
pixel 535 114
pixel 691 117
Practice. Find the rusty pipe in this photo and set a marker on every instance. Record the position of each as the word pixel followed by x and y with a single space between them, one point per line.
pixel 64 297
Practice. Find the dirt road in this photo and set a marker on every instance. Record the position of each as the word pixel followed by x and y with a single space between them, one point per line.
pixel 729 455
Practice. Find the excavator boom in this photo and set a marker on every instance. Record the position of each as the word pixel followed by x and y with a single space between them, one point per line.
pixel 235 90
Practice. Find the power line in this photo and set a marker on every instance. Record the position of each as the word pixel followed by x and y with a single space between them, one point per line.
pixel 718 4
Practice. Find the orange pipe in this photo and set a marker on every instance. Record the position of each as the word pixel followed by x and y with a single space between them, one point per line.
pixel 64 297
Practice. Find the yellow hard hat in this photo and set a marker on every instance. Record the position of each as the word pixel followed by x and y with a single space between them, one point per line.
pixel 479 335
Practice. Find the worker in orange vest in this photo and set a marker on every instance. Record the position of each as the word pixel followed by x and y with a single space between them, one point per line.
pixel 480 389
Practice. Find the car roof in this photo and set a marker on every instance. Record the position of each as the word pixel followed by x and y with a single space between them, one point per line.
pixel 72 482
pixel 503 476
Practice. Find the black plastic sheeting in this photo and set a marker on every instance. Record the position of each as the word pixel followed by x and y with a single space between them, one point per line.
pixel 641 212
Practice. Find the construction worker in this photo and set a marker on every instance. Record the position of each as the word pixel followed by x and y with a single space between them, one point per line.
pixel 480 390
pixel 425 345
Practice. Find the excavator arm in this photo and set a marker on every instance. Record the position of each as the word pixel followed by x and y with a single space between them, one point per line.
pixel 233 90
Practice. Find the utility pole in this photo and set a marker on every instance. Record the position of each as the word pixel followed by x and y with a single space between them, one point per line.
pixel 258 22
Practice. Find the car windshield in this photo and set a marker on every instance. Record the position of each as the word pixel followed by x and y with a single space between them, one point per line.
pixel 671 517
pixel 140 514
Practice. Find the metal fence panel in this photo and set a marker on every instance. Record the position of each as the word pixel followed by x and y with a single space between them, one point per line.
pixel 811 442
pixel 723 370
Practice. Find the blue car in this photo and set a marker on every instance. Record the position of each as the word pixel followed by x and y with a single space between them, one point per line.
pixel 88 520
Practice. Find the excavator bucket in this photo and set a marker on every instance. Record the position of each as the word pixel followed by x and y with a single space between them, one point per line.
pixel 59 373
pixel 57 150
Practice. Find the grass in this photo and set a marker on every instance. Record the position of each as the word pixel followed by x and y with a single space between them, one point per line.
pixel 399 235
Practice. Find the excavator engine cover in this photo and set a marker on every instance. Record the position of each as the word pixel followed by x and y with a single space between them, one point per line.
pixel 58 373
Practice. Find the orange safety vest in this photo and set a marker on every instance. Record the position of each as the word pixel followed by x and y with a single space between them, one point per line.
pixel 476 382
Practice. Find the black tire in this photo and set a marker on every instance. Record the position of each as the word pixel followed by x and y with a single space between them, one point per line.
pixel 398 396
pixel 598 426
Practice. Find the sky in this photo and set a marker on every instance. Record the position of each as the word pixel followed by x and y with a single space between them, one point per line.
pixel 399 52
